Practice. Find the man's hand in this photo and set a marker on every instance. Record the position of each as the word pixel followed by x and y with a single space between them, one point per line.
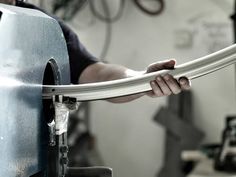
pixel 162 86
pixel 166 85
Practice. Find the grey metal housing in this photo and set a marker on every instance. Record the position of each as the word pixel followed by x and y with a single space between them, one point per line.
pixel 28 40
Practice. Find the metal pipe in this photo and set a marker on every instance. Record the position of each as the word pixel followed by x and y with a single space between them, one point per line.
pixel 116 88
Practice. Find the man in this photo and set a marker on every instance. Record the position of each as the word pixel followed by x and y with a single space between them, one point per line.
pixel 85 68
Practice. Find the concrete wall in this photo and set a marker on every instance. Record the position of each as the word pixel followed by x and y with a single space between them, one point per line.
pixel 128 139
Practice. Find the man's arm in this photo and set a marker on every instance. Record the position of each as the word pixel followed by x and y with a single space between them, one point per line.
pixel 161 86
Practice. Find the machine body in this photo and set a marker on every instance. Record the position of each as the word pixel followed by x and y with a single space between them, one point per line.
pixel 29 39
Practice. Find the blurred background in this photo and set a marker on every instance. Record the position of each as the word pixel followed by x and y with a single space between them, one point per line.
pixel 135 34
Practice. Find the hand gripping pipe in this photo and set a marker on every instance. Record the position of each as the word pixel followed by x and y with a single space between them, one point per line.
pixel 110 89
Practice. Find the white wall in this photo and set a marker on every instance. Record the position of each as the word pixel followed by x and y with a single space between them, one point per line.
pixel 128 139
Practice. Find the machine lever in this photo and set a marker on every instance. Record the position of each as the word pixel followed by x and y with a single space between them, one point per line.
pixel 110 89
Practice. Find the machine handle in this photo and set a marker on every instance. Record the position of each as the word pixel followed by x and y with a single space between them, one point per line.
pixel 122 87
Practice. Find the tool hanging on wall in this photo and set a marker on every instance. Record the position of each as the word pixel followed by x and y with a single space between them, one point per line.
pixel 147 6
pixel 107 17
pixel 67 9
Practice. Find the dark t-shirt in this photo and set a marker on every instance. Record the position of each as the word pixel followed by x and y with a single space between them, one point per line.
pixel 79 57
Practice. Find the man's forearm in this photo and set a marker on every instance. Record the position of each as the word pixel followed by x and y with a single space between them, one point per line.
pixel 100 72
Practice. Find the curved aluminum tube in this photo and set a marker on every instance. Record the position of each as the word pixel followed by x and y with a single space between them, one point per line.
pixel 133 85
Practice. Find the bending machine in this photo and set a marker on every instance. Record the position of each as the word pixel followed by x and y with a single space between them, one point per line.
pixel 34 65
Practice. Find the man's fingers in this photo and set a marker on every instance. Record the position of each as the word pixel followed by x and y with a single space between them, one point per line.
pixel 173 84
pixel 185 84
pixel 167 64
pixel 156 90
pixel 163 86
pixel 167 85
pixel 170 64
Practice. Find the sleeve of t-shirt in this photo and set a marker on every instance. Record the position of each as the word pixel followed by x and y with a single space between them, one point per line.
pixel 79 57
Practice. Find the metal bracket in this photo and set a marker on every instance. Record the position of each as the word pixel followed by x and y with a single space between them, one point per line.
pixel 58 147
